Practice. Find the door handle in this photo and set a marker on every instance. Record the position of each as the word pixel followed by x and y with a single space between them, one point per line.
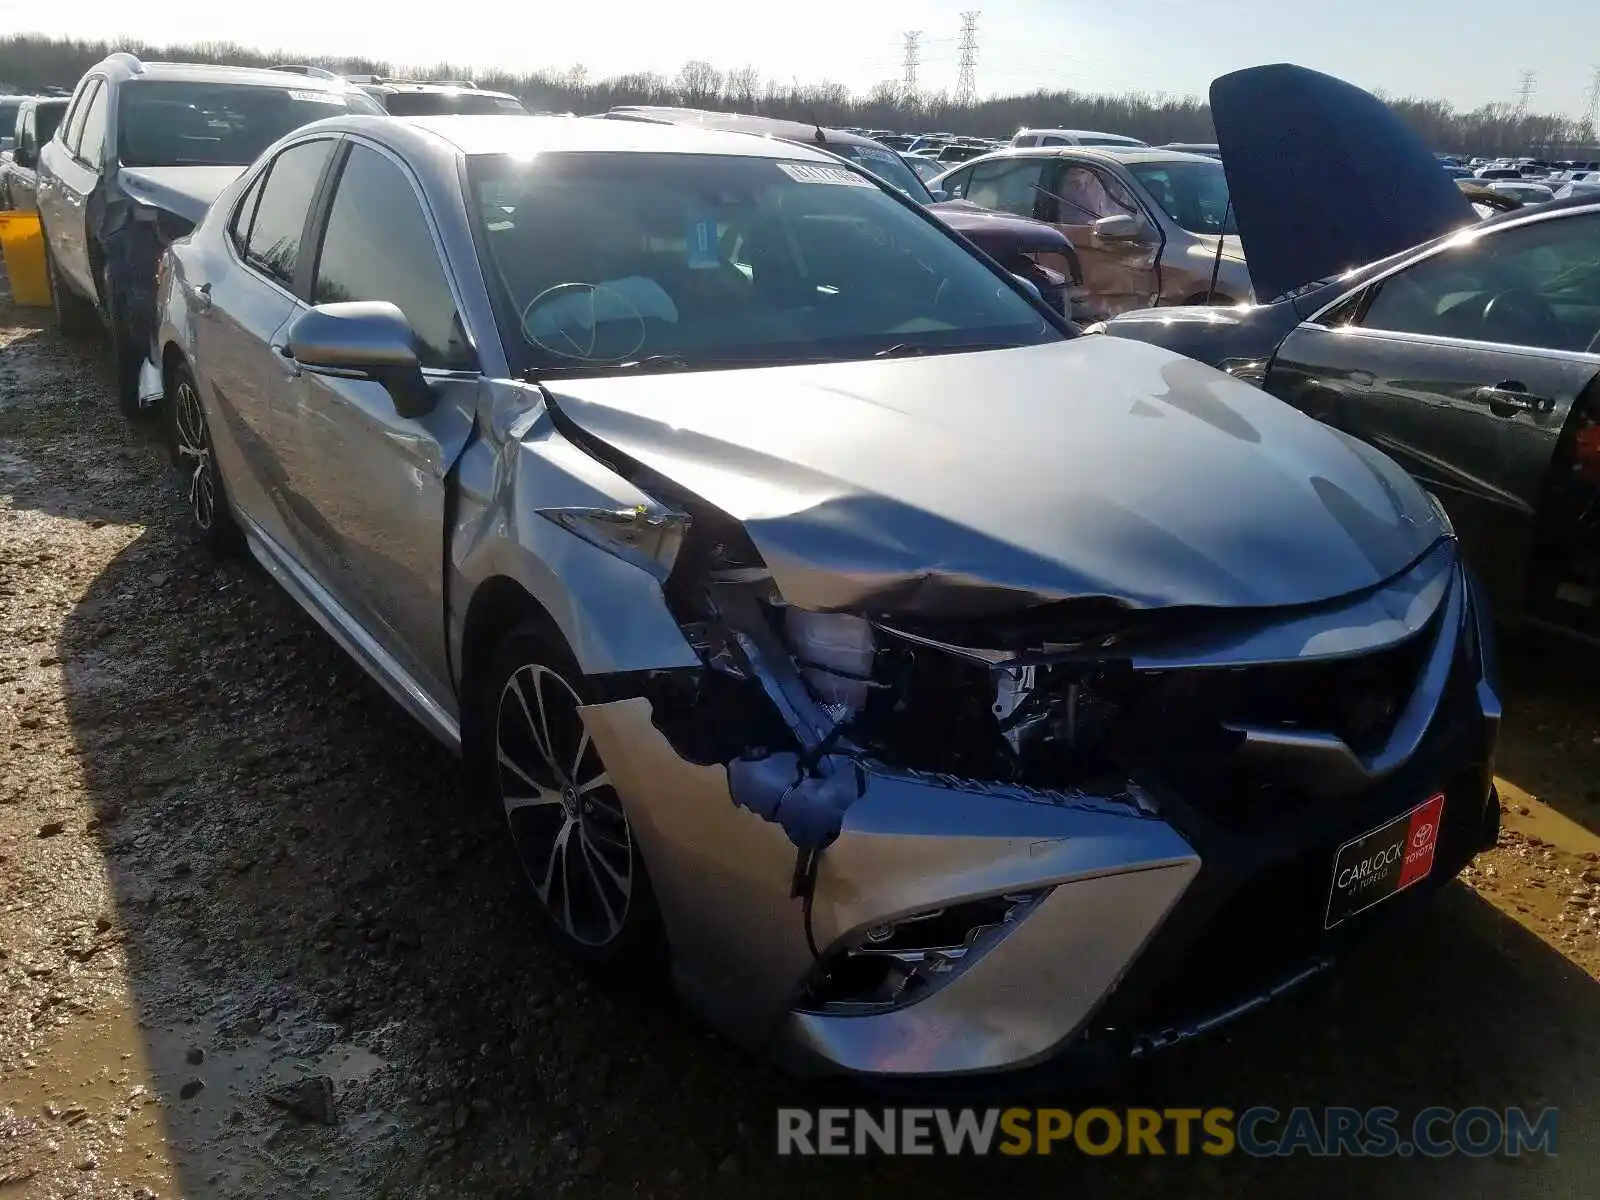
pixel 286 360
pixel 1506 399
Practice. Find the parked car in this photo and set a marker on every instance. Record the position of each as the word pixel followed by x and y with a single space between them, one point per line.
pixel 1469 352
pixel 421 97
pixel 1485 202
pixel 1150 226
pixel 1209 149
pixel 8 120
pixel 36 121
pixel 821 610
pixel 142 150
pixel 1525 190
pixel 1070 137
pixel 1034 251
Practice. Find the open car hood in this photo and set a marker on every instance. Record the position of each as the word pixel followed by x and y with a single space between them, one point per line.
pixel 981 484
pixel 186 191
pixel 1324 176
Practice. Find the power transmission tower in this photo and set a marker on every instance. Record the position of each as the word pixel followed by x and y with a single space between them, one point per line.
pixel 1591 106
pixel 967 81
pixel 1525 93
pixel 913 60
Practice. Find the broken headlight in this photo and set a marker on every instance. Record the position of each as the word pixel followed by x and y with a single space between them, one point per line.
pixel 891 965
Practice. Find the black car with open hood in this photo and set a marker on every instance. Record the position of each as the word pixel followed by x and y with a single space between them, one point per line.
pixel 1467 351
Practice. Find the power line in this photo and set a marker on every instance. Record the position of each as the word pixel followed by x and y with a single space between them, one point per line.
pixel 1525 93
pixel 967 80
pixel 909 64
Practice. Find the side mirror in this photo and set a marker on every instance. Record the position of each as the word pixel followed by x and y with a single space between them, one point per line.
pixel 24 156
pixel 1119 227
pixel 364 339
pixel 939 195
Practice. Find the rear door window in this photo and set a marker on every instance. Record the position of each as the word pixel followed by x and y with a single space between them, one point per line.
pixel 1008 184
pixel 80 110
pixel 92 137
pixel 273 246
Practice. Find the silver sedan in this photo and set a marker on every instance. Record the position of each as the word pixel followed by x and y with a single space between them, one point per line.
pixel 936 690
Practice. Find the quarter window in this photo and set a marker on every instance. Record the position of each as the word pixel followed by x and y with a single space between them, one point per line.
pixel 239 227
pixel 92 138
pixel 378 246
pixel 1531 285
pixel 273 246
pixel 80 110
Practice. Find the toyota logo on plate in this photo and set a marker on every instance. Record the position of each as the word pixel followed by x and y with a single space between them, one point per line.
pixel 1421 837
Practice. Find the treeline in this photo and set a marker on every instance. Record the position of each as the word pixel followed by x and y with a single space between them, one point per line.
pixel 30 62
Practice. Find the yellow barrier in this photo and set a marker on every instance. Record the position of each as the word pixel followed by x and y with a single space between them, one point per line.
pixel 23 243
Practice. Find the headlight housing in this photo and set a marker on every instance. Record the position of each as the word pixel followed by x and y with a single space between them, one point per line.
pixel 835 652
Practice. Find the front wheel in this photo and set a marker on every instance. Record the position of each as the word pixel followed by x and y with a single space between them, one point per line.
pixel 568 824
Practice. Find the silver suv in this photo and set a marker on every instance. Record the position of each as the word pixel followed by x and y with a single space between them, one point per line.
pixel 143 150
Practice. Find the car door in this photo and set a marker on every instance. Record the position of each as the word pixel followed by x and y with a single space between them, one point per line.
pixel 369 483
pixel 240 303
pixel 1120 274
pixel 74 177
pixel 1465 367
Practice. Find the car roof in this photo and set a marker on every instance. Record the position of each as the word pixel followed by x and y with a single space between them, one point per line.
pixel 1109 154
pixel 789 131
pixel 1101 133
pixel 520 135
pixel 420 86
pixel 127 67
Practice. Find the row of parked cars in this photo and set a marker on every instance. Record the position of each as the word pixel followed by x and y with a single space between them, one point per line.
pixel 926 683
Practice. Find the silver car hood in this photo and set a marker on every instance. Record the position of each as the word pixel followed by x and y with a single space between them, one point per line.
pixel 984 483
pixel 186 191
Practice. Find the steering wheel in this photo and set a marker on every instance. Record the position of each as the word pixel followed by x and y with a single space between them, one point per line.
pixel 1518 315
pixel 566 321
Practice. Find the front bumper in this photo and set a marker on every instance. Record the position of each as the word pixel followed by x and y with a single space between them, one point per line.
pixel 1151 928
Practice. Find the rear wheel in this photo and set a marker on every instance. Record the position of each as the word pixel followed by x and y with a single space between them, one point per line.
pixel 568 824
pixel 189 441
pixel 75 316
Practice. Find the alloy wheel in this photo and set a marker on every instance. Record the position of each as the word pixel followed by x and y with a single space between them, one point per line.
pixel 567 821
pixel 194 454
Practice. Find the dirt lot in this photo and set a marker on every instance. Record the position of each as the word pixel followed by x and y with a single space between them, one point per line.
pixel 230 866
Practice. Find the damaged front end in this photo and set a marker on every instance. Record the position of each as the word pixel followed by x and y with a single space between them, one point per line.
pixel 910 848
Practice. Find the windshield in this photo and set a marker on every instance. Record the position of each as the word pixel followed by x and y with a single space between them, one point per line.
pixel 1193 194
pixel 167 123
pixel 600 260
pixel 887 166
pixel 431 104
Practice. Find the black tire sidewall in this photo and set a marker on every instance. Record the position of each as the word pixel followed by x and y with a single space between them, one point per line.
pixel 639 949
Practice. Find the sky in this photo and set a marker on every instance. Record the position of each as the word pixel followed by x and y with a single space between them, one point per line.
pixel 1469 52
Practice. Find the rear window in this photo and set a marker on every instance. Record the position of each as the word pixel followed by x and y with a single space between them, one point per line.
pixel 166 123
pixel 446 103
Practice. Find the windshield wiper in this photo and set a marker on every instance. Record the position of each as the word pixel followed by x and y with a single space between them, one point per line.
pixel 915 349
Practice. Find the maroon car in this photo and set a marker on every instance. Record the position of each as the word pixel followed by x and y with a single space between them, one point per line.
pixel 1035 251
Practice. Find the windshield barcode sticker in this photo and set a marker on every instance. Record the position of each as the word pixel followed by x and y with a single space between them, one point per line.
pixel 808 173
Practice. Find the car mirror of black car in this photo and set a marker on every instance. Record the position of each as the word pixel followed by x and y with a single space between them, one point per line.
pixel 1119 227
pixel 1029 286
pixel 364 339
pixel 939 195
pixel 23 155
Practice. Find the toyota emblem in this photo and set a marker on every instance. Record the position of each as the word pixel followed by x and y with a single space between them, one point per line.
pixel 1423 835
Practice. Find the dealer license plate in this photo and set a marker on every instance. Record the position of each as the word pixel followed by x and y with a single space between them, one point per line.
pixel 1369 869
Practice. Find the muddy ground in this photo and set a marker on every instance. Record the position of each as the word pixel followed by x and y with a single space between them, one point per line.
pixel 229 866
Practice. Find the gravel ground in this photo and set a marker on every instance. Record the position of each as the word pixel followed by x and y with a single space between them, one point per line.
pixel 253 941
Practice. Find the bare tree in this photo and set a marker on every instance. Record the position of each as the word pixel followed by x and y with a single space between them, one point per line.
pixel 699 83
pixel 743 88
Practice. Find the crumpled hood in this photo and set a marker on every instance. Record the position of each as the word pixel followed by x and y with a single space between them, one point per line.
pixel 1324 176
pixel 186 191
pixel 984 483
pixel 999 233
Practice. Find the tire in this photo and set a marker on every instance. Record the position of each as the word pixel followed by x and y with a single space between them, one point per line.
pixel 568 827
pixel 75 316
pixel 189 443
